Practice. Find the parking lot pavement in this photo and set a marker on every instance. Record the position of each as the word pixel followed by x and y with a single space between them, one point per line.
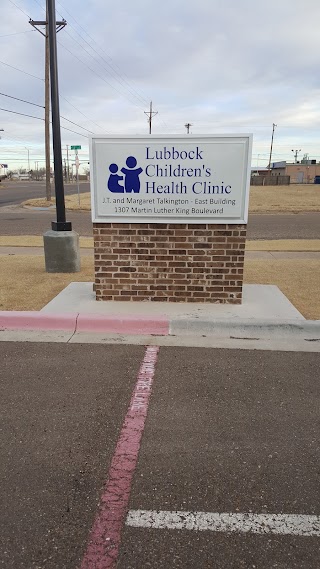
pixel 226 477
pixel 61 410
pixel 228 432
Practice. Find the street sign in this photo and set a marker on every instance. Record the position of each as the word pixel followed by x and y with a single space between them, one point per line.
pixel 77 162
pixel 75 147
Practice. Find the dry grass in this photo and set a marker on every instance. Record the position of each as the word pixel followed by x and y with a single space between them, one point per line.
pixel 24 284
pixel 284 245
pixel 284 199
pixel 35 241
pixel 298 280
pixel 72 202
pixel 263 199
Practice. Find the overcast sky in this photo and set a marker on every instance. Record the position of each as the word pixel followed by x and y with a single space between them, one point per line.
pixel 222 65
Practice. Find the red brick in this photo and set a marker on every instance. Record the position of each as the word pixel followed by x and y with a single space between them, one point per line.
pixel 135 261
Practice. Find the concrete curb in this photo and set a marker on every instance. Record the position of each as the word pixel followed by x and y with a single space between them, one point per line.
pixel 123 325
pixel 249 327
pixel 84 323
pixel 37 321
pixel 159 325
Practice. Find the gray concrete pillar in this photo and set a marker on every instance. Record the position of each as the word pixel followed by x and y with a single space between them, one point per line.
pixel 61 251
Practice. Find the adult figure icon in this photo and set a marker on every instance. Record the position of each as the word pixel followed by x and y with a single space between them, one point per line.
pixel 131 181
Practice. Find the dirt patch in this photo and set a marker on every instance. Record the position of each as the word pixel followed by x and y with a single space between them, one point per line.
pixel 297 279
pixel 24 284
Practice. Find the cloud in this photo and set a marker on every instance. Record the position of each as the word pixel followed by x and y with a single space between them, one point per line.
pixel 219 64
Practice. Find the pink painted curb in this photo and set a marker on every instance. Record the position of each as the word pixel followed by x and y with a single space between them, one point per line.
pixel 123 325
pixel 32 320
pixel 37 321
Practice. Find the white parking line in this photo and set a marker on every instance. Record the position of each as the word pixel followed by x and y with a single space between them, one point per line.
pixel 283 524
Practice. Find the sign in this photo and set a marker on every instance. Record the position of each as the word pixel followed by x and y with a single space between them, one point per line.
pixel 77 162
pixel 175 179
pixel 75 147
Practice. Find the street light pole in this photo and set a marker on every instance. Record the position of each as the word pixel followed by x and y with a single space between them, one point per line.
pixel 61 244
pixel 61 224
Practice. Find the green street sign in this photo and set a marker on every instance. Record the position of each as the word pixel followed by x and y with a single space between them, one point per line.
pixel 75 147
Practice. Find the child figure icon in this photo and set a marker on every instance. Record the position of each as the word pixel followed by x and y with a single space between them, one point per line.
pixel 114 178
pixel 131 182
pixel 131 177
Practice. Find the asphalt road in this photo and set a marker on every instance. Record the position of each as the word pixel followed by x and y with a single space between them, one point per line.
pixel 227 431
pixel 22 221
pixel 13 193
pixel 15 220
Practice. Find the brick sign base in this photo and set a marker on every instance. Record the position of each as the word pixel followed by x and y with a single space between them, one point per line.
pixel 169 262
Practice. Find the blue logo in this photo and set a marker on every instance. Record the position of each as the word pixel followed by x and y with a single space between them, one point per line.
pixel 131 177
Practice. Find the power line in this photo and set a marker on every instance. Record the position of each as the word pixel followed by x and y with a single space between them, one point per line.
pixel 17 33
pixel 132 94
pixel 42 107
pixel 64 118
pixel 18 7
pixel 21 71
pixel 78 110
pixel 22 114
pixel 42 8
pixel 123 83
pixel 22 100
pixel 83 114
pixel 90 55
pixel 144 99
pixel 92 70
pixel 41 119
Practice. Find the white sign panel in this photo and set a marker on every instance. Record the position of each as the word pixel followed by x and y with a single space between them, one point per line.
pixel 175 179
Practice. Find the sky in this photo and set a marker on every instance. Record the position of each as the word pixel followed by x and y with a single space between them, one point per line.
pixel 221 65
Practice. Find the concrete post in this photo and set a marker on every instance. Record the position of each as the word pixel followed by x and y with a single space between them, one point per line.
pixel 61 251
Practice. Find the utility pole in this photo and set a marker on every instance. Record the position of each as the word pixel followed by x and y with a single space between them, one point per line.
pixel 273 127
pixel 27 149
pixel 150 114
pixel 188 125
pixel 296 152
pixel 68 171
pixel 38 25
